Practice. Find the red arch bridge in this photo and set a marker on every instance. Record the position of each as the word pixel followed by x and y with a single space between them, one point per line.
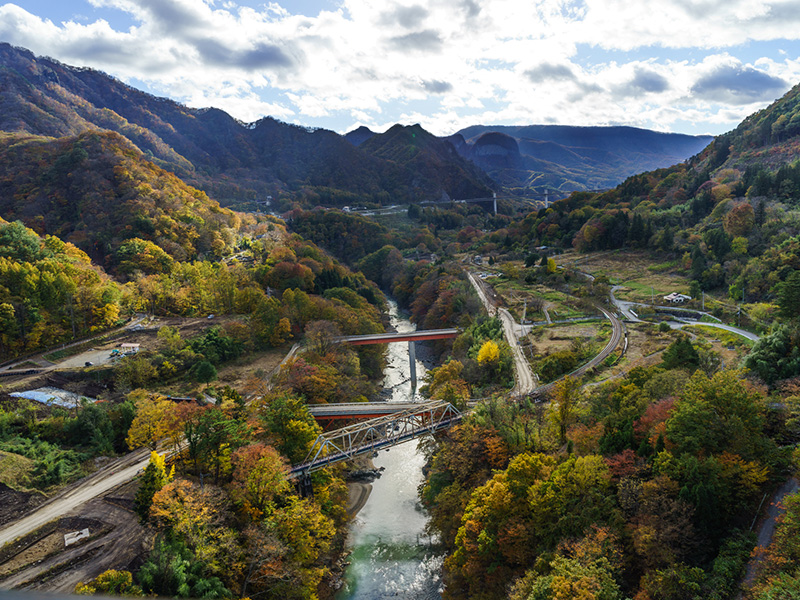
pixel 410 337
pixel 376 434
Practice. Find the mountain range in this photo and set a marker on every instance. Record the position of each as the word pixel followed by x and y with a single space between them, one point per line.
pixel 572 158
pixel 529 159
pixel 234 161
pixel 209 149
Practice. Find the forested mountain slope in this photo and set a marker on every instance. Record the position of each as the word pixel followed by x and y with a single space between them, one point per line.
pixel 207 147
pixel 730 213
pixel 425 156
pixel 99 192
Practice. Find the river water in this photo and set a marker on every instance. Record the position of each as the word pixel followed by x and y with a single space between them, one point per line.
pixel 391 556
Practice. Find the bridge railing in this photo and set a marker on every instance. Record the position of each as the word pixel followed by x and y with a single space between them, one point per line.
pixel 375 434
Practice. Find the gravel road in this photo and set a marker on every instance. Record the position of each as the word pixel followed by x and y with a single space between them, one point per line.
pixel 118 472
pixel 525 381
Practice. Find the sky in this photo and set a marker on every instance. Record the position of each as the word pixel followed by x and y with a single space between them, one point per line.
pixel 689 66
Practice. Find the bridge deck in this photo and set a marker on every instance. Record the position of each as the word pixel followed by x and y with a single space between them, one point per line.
pixel 366 410
pixel 360 410
pixel 413 336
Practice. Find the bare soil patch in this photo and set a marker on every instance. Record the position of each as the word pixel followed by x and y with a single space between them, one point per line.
pixel 40 561
pixel 45 542
pixel 14 504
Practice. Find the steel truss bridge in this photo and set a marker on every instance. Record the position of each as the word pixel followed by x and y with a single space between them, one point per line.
pixel 376 434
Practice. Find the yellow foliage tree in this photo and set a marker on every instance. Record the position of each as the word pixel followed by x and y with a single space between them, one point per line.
pixel 155 420
pixel 154 478
pixel 446 383
pixel 489 353
pixel 281 333
pixel 199 515
pixel 111 582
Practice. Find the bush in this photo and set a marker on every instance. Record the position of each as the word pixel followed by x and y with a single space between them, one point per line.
pixel 557 364
pixel 52 465
pixel 172 570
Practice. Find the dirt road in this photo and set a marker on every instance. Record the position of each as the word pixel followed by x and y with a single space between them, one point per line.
pixel 481 291
pixel 525 380
pixel 117 539
pixel 112 475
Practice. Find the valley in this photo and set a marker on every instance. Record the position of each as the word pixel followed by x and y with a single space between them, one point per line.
pixel 176 288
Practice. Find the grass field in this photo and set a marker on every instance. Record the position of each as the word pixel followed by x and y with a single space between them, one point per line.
pixel 515 294
pixel 725 338
pixel 641 279
pixel 15 470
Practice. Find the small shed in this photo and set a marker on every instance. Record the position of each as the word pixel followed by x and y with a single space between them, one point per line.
pixel 129 348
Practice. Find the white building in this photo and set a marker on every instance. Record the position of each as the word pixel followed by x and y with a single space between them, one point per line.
pixel 676 298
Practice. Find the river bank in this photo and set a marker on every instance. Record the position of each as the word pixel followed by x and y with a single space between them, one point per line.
pixel 357 496
pixel 390 553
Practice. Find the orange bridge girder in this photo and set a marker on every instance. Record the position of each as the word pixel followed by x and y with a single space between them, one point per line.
pixel 410 337
pixel 386 338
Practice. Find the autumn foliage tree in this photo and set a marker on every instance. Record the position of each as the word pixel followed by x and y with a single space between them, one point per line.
pixel 155 477
pixel 155 420
pixel 288 425
pixel 259 478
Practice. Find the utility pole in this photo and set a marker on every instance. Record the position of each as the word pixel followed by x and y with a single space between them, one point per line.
pixel 704 301
pixel 524 310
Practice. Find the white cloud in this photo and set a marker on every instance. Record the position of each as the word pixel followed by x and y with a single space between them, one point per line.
pixel 563 61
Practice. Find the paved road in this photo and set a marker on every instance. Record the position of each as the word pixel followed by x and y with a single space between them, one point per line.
pixel 617 332
pixel 79 360
pixel 526 382
pixel 624 307
pixel 627 308
pixel 747 334
pixel 119 471
pixel 767 528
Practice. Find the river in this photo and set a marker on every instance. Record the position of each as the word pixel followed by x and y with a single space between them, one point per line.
pixel 391 556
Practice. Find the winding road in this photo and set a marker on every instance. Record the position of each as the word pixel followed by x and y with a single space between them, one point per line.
pixel 525 379
pixel 523 374
pixel 617 333
pixel 626 309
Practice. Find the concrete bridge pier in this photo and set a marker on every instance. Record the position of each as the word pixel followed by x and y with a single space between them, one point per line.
pixel 412 363
pixel 304 486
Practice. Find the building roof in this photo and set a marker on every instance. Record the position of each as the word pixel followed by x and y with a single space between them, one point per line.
pixel 52 396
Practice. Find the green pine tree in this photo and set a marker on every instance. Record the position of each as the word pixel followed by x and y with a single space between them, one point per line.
pixel 154 478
